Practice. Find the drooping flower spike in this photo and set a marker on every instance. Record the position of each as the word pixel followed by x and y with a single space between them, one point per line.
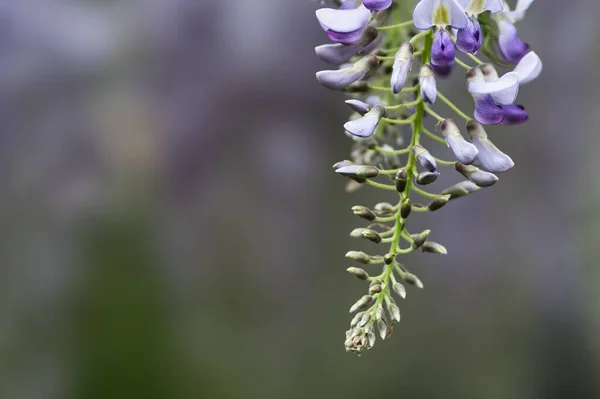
pixel 510 48
pixel 389 72
pixel 470 38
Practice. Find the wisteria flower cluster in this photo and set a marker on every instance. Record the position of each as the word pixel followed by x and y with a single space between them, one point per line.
pixel 391 66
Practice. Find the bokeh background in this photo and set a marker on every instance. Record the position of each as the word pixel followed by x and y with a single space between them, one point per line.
pixel 171 226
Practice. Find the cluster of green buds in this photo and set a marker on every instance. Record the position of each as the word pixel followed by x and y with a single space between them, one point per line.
pixel 390 67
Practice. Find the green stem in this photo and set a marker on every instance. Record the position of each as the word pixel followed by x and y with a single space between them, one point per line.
pixel 453 107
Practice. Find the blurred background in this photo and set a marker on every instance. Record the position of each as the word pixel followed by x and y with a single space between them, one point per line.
pixel 171 226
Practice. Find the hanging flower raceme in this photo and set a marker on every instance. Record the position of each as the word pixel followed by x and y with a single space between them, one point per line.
pixel 389 71
pixel 470 38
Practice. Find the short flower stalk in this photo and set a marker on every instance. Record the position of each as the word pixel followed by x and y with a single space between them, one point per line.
pixel 389 64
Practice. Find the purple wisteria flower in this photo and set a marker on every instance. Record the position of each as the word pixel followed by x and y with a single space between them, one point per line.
pixel 509 46
pixel 470 38
pixel 344 26
pixel 495 96
pixel 442 15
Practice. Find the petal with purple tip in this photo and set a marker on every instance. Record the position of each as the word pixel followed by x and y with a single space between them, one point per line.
pixel 510 46
pixel 487 112
pixel 514 114
pixel 377 5
pixel 470 39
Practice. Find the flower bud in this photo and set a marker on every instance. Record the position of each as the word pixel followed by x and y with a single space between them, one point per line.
pixel 366 317
pixel 384 207
pixel 412 280
pixel 402 66
pixel 424 158
pixel 364 212
pixel 425 178
pixel 419 239
pixel 375 289
pixel 405 209
pixel 339 79
pixel 359 257
pixel 358 106
pixel 394 312
pixel 434 248
pixel 490 158
pixel 464 151
pixel 476 175
pixel 379 313
pixel 438 202
pixel 362 303
pixel 358 272
pixel 371 338
pixel 365 126
pixel 461 189
pixel 382 327
pixel 358 171
pixel 401 180
pixel 356 319
pixel 371 235
pixel 357 233
pixel 341 164
pixel 400 290
pixel 377 5
pixel 427 84
pixel 388 259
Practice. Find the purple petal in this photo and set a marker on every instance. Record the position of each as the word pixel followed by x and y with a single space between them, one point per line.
pixel 510 47
pixel 345 38
pixel 442 53
pixel 514 114
pixel 377 5
pixel 470 39
pixel 487 112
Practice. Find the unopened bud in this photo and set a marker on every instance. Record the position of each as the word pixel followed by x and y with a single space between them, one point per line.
pixel 399 289
pixel 427 84
pixel 382 327
pixel 357 233
pixel 424 158
pixel 490 158
pixel 434 248
pixel 405 209
pixel 364 212
pixel 402 65
pixel 371 235
pixel 401 179
pixel 357 87
pixel 367 63
pixel 394 311
pixel 464 151
pixel 358 171
pixel 461 189
pixel 419 239
pixel 412 280
pixel 362 303
pixel 379 313
pixel 371 338
pixel 388 259
pixel 356 319
pixel 358 272
pixel 341 164
pixel 375 289
pixel 364 319
pixel 476 175
pixel 438 202
pixel 358 106
pixel 425 178
pixel 358 256
pixel 384 207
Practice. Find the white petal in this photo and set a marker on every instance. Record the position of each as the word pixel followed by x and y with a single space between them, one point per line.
pixel 503 90
pixel 519 12
pixel 528 68
pixel 423 14
pixel 343 21
pixel 475 7
pixel 426 12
